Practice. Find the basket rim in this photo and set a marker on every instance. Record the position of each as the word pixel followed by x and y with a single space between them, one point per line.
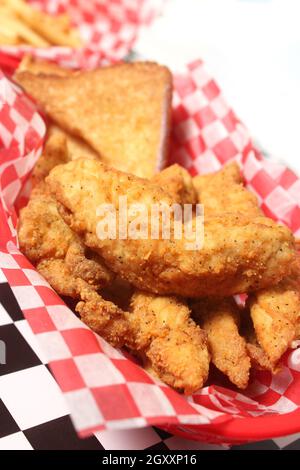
pixel 251 429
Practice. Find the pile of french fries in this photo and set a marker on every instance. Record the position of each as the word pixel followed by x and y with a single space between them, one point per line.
pixel 22 24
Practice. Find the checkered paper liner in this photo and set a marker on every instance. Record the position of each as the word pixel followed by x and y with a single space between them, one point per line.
pixel 104 389
pixel 108 30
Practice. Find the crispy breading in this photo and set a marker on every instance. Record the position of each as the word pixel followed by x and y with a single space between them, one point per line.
pixel 275 313
pixel 68 266
pixel 258 356
pixel 102 316
pixel 55 271
pixel 178 183
pixel 55 152
pixel 220 319
pixel 122 111
pixel 57 252
pixel 157 329
pixel 273 309
pixel 175 348
pixel 223 192
pixel 60 147
pixel 76 147
pixel 238 255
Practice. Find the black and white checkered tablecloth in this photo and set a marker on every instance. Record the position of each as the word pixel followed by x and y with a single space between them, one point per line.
pixel 33 414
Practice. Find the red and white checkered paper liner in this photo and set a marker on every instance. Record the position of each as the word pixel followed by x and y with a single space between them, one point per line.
pixel 108 29
pixel 103 388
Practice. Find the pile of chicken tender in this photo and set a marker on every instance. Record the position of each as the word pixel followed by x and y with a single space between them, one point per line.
pixel 174 309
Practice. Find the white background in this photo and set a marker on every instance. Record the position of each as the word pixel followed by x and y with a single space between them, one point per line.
pixel 252 48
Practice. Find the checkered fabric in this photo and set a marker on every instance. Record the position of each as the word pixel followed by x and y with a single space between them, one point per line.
pixel 108 30
pixel 105 390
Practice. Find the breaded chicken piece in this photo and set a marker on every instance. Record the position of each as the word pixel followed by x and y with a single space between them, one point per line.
pixel 238 255
pixel 220 319
pixel 76 147
pixel 178 183
pixel 122 111
pixel 158 330
pixel 224 192
pixel 54 249
pixel 59 148
pixel 102 316
pixel 54 153
pixel 68 266
pixel 275 314
pixel 258 357
pixel 272 309
pixel 174 347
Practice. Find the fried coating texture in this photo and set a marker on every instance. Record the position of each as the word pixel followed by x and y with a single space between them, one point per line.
pixel 54 249
pixel 178 183
pixel 223 192
pixel 238 254
pixel 55 152
pixel 275 314
pixel 102 316
pixel 220 320
pixel 274 310
pixel 158 330
pixel 258 357
pixel 76 147
pixel 174 347
pixel 121 111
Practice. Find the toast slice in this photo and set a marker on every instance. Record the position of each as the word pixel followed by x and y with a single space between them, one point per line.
pixel 121 111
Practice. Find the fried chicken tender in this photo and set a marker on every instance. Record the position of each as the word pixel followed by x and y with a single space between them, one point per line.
pixel 76 147
pixel 175 348
pixel 220 319
pixel 158 330
pixel 102 316
pixel 258 357
pixel 178 183
pixel 54 249
pixel 275 313
pixel 122 111
pixel 54 153
pixel 224 192
pixel 239 254
pixel 273 309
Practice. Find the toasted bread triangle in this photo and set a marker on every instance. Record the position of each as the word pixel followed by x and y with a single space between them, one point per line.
pixel 121 111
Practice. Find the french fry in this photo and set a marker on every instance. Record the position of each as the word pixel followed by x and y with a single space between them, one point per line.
pixel 22 31
pixel 6 40
pixel 51 28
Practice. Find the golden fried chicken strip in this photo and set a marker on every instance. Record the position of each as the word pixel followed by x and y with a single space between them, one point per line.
pixel 275 314
pixel 223 192
pixel 258 357
pixel 220 319
pixel 121 111
pixel 178 183
pixel 61 257
pixel 238 255
pixel 174 347
pixel 273 309
pixel 157 329
pixel 102 316
pixel 54 153
pixel 76 147
pixel 54 249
